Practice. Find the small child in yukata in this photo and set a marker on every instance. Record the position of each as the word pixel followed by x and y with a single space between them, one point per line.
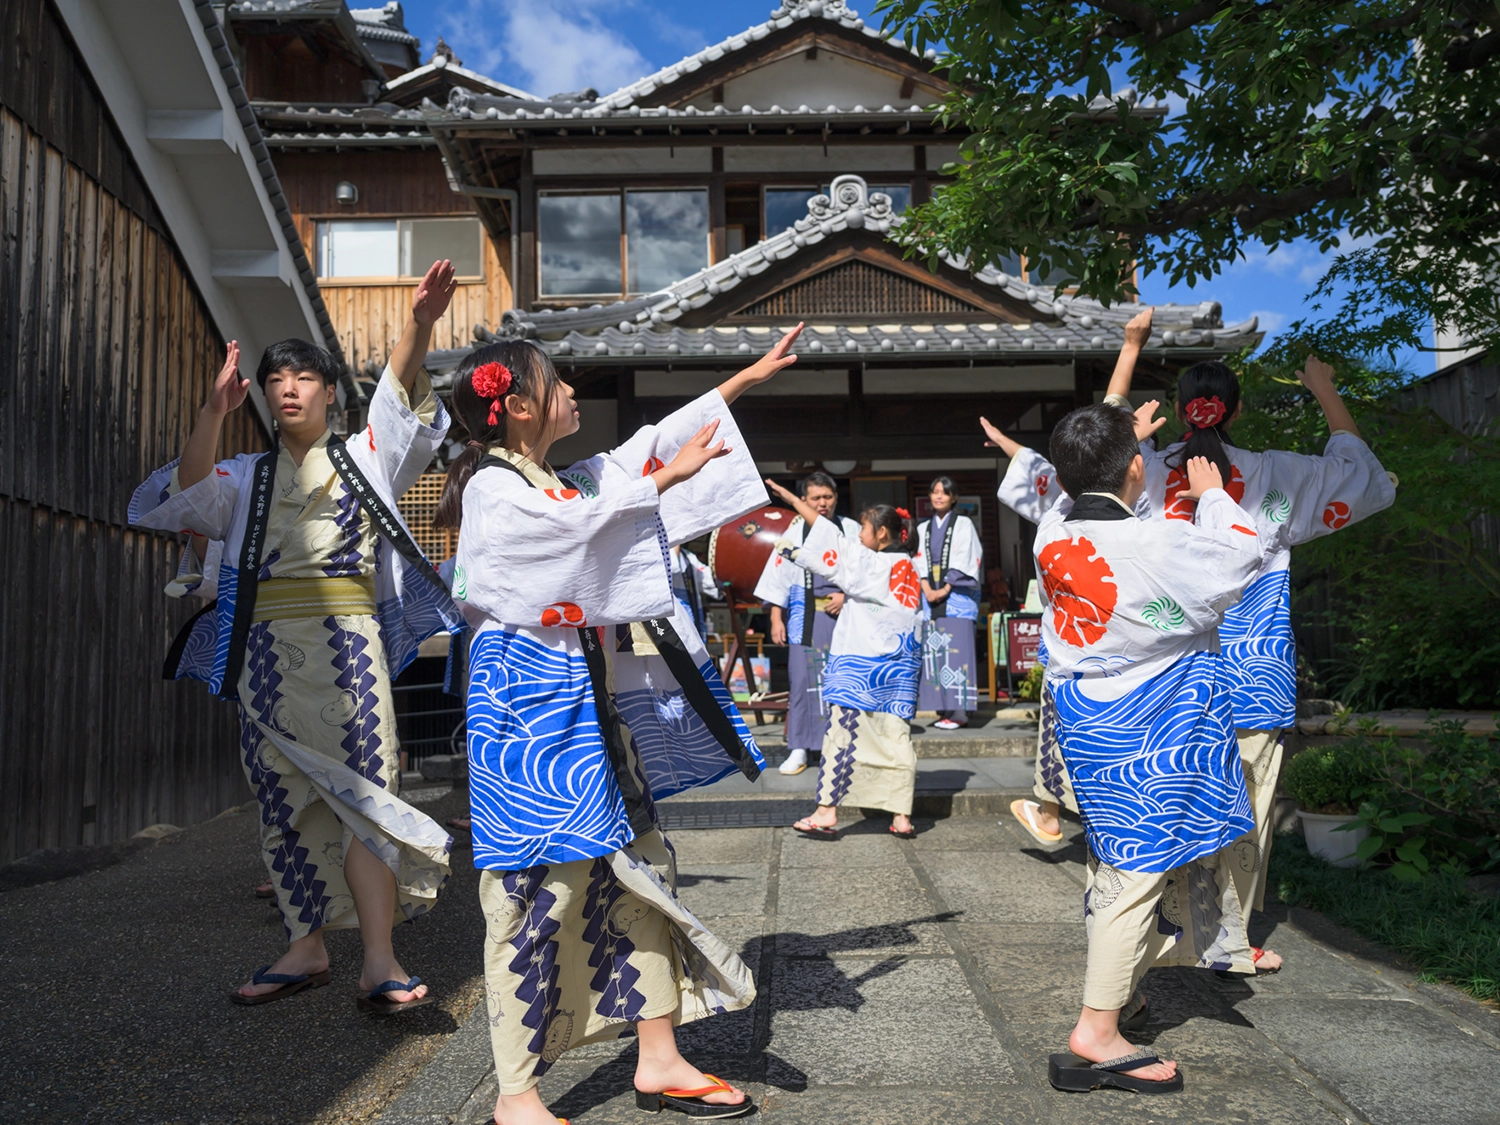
pixel 1131 610
pixel 874 663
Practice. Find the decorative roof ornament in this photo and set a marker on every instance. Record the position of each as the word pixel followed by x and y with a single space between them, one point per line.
pixel 851 199
pixel 815 9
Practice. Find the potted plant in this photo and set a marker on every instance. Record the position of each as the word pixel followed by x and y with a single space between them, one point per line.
pixel 1327 783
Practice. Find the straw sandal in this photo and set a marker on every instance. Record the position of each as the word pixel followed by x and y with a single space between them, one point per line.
pixel 1025 811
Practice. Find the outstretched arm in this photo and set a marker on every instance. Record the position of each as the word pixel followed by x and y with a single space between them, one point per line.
pixel 763 368
pixel 1137 335
pixel 1317 377
pixel 808 513
pixel 1007 446
pixel 428 304
pixel 228 393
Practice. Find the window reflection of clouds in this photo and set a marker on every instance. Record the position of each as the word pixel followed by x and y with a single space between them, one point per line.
pixel 784 206
pixel 580 244
pixel 666 237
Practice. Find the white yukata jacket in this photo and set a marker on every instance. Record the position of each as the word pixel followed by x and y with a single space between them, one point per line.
pixel 875 659
pixel 782 582
pixel 1130 616
pixel 965 556
pixel 392 452
pixel 536 565
pixel 1292 498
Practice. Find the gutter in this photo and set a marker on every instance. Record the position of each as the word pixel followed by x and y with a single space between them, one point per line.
pixel 215 35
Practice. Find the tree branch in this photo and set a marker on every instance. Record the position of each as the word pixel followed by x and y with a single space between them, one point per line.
pixel 1465 53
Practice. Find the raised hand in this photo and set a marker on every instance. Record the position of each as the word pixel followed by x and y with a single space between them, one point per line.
pixel 229 390
pixel 1138 328
pixel 1006 445
pixel 699 451
pixel 762 369
pixel 1316 375
pixel 433 294
pixel 1144 426
pixel 1202 475
pixel 785 493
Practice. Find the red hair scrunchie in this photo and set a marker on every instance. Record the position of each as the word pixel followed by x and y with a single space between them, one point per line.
pixel 1205 412
pixel 491 381
pixel 903 513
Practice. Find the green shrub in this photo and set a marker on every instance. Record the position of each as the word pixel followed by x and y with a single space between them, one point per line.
pixel 1330 779
pixel 1029 690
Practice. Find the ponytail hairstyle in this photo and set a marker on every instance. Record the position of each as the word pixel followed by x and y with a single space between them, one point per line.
pixel 897 522
pixel 511 367
pixel 1208 394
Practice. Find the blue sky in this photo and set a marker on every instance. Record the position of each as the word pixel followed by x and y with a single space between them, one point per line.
pixel 549 47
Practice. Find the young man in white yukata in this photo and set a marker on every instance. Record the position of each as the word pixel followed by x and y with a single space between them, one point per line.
pixel 789 590
pixel 321 599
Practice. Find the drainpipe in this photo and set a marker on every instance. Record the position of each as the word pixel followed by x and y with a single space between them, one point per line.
pixel 512 197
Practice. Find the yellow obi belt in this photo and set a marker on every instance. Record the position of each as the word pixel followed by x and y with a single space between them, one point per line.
pixel 822 604
pixel 313 597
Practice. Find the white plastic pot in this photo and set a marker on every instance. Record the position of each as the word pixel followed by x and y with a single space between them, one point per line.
pixel 1337 848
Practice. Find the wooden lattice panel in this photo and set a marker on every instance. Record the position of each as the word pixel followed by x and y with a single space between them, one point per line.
pixel 857 289
pixel 418 507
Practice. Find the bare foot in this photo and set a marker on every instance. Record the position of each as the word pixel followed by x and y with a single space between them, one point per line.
pixel 900 823
pixel 375 975
pixel 303 957
pixel 1047 819
pixel 1097 1045
pixel 523 1109
pixel 655 1076
pixel 825 816
pixel 1268 960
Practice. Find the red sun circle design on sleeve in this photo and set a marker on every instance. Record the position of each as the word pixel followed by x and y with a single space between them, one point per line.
pixel 1180 507
pixel 830 558
pixel 371 431
pixel 1043 483
pixel 651 465
pixel 559 613
pixel 221 472
pixel 1080 585
pixel 905 587
pixel 1336 515
pixel 562 493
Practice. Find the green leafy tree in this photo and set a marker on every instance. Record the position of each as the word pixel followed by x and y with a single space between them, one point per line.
pixel 1300 119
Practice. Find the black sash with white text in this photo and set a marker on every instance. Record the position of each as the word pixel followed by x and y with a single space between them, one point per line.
pixel 938 573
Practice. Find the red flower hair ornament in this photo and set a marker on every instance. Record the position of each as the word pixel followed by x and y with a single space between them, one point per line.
pixel 491 381
pixel 905 515
pixel 1205 412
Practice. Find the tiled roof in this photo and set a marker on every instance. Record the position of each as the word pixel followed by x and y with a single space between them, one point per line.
pixel 387 24
pixel 440 66
pixel 1069 325
pixel 788 13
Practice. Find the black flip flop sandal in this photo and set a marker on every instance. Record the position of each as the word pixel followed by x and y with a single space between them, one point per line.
pixel 909 834
pixel 290 985
pixel 1067 1071
pixel 815 831
pixel 691 1103
pixel 379 1003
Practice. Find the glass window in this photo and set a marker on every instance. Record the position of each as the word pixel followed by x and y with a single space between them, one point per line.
pixel 900 195
pixel 784 206
pixel 578 240
pixel 359 248
pixel 399 247
pixel 424 241
pixel 666 237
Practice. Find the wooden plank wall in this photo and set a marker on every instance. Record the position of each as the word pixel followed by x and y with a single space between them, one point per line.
pixel 404 184
pixel 105 354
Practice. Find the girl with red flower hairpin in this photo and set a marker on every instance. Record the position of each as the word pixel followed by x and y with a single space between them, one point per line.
pixel 1292 498
pixel 591 696
pixel 874 659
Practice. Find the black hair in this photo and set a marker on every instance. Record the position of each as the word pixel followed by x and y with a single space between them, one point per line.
pixel 532 377
pixel 298 355
pixel 1207 380
pixel 946 484
pixel 1092 449
pixel 818 480
pixel 903 536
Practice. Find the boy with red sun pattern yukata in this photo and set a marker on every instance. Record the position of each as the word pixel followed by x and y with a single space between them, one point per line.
pixel 1130 619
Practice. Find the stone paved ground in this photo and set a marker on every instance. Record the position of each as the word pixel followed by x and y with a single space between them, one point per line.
pixel 928 981
pixel 903 982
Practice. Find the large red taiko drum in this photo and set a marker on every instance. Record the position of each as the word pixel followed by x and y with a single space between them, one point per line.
pixel 738 551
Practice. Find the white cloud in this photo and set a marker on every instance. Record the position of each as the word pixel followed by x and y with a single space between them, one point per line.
pixel 1270 320
pixel 544 46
